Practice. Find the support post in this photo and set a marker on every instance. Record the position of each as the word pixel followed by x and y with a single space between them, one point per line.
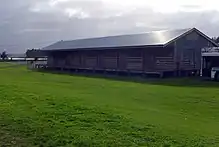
pixel 201 71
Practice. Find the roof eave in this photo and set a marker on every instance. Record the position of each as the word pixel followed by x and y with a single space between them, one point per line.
pixel 189 31
pixel 208 38
pixel 105 48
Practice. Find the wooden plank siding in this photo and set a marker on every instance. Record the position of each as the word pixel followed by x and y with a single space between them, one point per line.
pixel 73 60
pixel 134 60
pixel 189 51
pixel 90 60
pixel 165 63
pixel 160 59
pixel 121 60
pixel 130 60
pixel 188 61
pixel 50 61
pixel 108 60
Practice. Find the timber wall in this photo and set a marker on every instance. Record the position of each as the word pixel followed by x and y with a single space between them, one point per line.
pixel 131 60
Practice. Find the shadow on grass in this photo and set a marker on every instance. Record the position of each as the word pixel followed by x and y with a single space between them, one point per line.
pixel 138 78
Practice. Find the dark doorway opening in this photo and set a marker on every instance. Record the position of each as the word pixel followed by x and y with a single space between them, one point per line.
pixel 208 63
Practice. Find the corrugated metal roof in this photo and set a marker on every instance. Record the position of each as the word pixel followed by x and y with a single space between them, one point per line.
pixel 145 39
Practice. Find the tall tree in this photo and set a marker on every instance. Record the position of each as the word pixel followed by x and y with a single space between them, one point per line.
pixel 216 39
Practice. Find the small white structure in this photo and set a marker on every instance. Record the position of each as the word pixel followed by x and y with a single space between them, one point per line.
pixel 210 52
pixel 37 64
pixel 210 59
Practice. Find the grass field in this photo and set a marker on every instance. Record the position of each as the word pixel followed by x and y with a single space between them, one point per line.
pixel 42 109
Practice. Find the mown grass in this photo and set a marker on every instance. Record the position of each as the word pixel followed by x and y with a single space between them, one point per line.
pixel 43 109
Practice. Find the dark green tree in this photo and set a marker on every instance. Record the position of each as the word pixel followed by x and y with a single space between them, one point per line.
pixel 4 55
pixel 216 39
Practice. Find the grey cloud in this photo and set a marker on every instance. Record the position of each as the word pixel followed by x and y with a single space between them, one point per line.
pixel 24 26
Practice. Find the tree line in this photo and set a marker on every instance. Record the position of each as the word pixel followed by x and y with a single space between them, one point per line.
pixel 216 39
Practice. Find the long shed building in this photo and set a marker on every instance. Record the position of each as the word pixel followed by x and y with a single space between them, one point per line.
pixel 160 52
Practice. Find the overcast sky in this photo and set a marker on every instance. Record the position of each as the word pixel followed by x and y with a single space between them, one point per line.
pixel 38 23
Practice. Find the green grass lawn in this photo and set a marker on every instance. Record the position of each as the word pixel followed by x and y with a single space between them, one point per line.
pixel 43 109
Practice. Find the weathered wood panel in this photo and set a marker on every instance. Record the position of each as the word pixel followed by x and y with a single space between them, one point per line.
pixel 122 60
pixel 134 63
pixel 160 59
pixel 90 60
pixel 76 60
pixel 60 62
pixel 59 59
pixel 70 60
pixel 189 61
pixel 149 62
pixel 188 50
pixel 50 61
pixel 165 63
pixel 134 60
pixel 109 60
pixel 139 60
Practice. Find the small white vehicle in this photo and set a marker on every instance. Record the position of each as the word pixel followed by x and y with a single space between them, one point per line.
pixel 215 73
